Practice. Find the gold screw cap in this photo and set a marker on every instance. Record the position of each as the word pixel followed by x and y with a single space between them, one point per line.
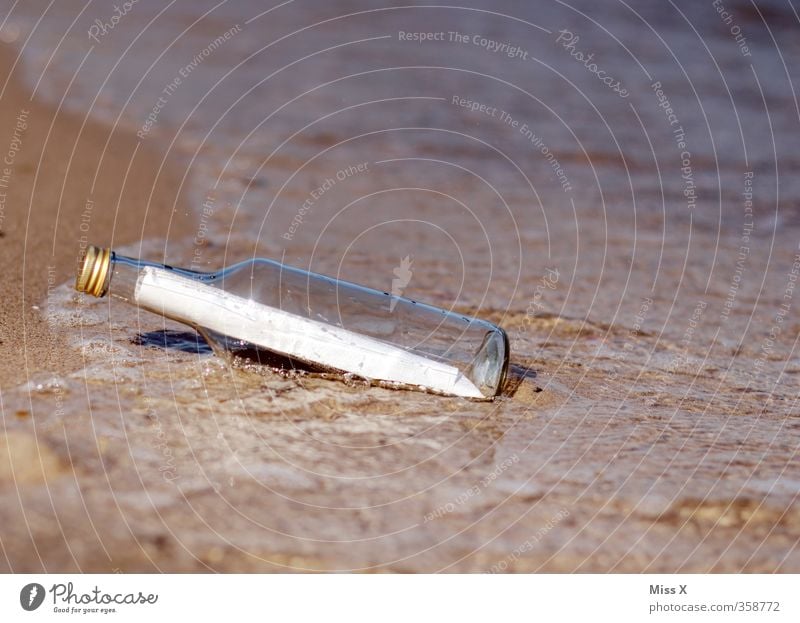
pixel 93 271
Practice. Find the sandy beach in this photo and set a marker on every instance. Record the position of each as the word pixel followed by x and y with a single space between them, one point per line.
pixel 63 186
pixel 630 218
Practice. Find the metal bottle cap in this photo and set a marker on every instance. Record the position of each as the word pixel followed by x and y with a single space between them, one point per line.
pixel 93 272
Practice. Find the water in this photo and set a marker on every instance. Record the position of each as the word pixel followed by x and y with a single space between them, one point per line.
pixel 651 422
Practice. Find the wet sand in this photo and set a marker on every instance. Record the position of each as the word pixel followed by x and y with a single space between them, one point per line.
pixel 651 420
pixel 64 187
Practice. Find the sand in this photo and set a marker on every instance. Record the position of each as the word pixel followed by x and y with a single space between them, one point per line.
pixel 651 420
pixel 64 188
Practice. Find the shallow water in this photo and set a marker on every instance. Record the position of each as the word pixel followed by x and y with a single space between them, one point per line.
pixel 651 422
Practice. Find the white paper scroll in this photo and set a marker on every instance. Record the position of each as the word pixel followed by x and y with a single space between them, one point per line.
pixel 202 305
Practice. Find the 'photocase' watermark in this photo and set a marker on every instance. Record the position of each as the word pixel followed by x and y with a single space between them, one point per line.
pixel 619 358
pixel 100 29
pixel 548 281
pixel 168 468
pixel 569 41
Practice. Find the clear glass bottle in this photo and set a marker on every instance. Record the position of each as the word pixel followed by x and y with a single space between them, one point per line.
pixel 263 306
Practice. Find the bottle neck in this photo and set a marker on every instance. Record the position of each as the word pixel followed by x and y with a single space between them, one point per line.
pixel 124 274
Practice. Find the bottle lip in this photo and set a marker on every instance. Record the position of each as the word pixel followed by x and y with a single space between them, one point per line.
pixel 93 271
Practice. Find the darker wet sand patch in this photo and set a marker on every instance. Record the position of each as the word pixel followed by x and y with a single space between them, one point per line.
pixel 734 513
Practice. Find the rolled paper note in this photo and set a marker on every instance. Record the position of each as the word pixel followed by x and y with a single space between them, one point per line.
pixel 202 305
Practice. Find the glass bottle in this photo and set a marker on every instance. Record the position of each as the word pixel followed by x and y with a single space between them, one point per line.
pixel 322 323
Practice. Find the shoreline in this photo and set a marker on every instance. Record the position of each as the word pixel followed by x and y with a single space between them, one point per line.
pixel 651 421
pixel 66 181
